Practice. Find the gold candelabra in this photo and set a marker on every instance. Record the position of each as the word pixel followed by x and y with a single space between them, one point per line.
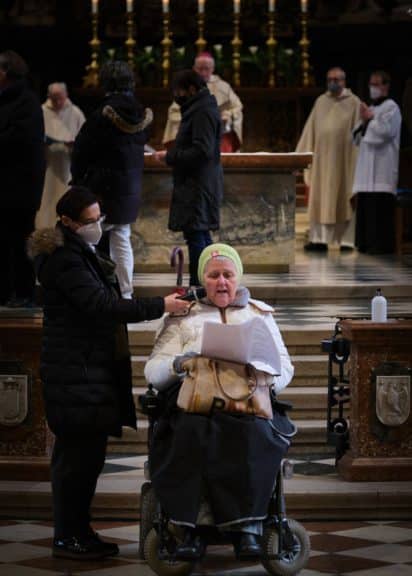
pixel 130 42
pixel 166 46
pixel 200 42
pixel 271 43
pixel 304 51
pixel 91 79
pixel 236 45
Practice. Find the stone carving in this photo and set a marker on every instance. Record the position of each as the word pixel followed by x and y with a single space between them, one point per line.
pixel 13 399
pixel 393 399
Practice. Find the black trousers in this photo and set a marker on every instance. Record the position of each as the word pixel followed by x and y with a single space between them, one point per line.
pixel 375 222
pixel 75 466
pixel 196 241
pixel 17 278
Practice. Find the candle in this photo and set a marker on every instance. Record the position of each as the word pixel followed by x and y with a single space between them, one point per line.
pixel 129 5
pixel 236 6
pixel 304 5
pixel 201 6
pixel 165 4
pixel 95 4
pixel 272 5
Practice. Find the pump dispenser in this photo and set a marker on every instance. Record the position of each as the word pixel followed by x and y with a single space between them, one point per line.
pixel 379 307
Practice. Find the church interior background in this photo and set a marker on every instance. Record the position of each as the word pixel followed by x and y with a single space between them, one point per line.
pixel 357 526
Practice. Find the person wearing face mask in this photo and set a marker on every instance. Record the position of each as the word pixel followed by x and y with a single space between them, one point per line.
pixel 330 177
pixel 85 363
pixel 230 107
pixel 197 171
pixel 376 176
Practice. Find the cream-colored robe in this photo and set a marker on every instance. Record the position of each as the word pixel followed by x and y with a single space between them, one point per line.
pixel 63 126
pixel 328 134
pixel 229 105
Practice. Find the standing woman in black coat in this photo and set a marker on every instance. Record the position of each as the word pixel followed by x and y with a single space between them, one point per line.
pixel 197 172
pixel 108 156
pixel 85 363
pixel 22 169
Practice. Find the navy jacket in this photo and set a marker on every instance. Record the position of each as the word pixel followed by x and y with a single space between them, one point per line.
pixel 108 155
pixel 85 360
pixel 197 172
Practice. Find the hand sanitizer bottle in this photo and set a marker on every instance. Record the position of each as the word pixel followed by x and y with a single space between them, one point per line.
pixel 379 307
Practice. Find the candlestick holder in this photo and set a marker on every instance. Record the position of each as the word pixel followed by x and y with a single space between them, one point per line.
pixel 130 42
pixel 166 49
pixel 236 45
pixel 200 42
pixel 271 43
pixel 304 51
pixel 91 79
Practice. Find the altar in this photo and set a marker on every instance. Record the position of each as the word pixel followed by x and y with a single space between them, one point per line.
pixel 257 214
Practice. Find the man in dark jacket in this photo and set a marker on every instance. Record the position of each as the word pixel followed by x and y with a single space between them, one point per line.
pixel 22 168
pixel 197 172
pixel 85 363
pixel 108 158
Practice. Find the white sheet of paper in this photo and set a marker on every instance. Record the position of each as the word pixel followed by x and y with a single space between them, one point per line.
pixel 248 343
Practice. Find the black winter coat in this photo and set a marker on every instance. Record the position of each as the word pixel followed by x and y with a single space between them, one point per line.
pixel 85 361
pixel 197 172
pixel 108 155
pixel 22 152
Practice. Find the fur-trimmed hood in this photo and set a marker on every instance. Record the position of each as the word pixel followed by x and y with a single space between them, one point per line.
pixel 44 242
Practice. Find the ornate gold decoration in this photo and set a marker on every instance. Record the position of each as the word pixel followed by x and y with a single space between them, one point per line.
pixel 166 49
pixel 200 42
pixel 304 50
pixel 130 41
pixel 271 43
pixel 91 79
pixel 236 45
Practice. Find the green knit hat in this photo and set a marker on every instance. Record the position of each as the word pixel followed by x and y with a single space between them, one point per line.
pixel 223 250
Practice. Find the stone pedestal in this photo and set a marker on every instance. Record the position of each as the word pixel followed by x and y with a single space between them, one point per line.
pixel 257 215
pixel 380 407
pixel 25 441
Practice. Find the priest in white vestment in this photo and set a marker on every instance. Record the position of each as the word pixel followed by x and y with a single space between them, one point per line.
pixel 376 176
pixel 228 102
pixel 328 134
pixel 62 122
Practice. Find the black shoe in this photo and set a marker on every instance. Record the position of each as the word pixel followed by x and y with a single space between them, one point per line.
pixel 20 303
pixel 315 247
pixel 111 548
pixel 192 547
pixel 78 549
pixel 346 248
pixel 248 547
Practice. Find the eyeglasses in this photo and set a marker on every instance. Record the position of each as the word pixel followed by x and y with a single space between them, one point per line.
pixel 334 79
pixel 100 220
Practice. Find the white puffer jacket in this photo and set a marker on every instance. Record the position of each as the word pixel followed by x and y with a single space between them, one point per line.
pixel 183 334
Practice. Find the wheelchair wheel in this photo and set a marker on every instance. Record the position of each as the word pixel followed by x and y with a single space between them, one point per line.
pixel 163 567
pixel 148 505
pixel 291 561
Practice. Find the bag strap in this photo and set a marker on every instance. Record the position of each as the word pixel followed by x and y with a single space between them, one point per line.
pixel 243 397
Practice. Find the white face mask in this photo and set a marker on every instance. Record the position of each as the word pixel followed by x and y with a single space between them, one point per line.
pixel 91 233
pixel 375 92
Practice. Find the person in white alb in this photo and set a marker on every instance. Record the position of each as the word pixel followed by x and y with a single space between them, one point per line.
pixel 376 174
pixel 62 122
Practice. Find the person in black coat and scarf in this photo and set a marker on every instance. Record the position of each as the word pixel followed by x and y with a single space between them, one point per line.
pixel 22 167
pixel 108 156
pixel 85 363
pixel 197 171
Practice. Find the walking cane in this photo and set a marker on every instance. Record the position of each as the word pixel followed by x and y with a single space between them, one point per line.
pixel 176 262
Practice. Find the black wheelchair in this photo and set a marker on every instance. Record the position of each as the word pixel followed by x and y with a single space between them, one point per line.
pixel 285 543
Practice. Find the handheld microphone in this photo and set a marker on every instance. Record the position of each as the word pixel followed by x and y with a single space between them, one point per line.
pixel 193 294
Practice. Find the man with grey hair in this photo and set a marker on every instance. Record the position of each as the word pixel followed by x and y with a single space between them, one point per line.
pixel 62 122
pixel 328 134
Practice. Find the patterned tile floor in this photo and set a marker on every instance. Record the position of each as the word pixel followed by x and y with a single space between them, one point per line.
pixel 338 548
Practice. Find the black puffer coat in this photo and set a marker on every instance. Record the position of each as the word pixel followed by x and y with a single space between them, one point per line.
pixel 108 155
pixel 85 360
pixel 197 172
pixel 22 151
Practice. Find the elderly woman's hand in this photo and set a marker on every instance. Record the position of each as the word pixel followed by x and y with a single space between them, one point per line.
pixel 180 359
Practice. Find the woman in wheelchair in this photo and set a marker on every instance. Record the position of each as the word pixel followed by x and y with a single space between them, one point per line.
pixel 229 460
